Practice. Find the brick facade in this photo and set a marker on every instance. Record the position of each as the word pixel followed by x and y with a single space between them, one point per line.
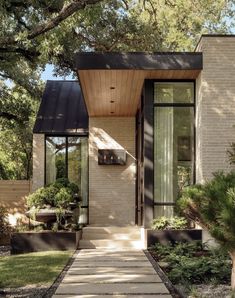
pixel 215 101
pixel 112 188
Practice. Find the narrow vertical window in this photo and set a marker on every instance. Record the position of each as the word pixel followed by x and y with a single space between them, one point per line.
pixel 55 158
pixel 173 143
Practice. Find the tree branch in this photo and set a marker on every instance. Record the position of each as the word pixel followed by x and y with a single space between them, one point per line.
pixel 63 14
pixel 9 116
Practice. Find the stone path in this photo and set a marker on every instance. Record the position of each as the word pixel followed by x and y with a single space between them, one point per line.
pixel 97 273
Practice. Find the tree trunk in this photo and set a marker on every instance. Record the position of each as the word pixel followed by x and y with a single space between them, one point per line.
pixel 232 255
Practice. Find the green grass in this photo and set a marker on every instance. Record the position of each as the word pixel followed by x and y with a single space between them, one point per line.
pixel 39 268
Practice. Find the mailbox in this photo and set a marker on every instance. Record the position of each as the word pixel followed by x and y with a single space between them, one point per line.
pixel 111 157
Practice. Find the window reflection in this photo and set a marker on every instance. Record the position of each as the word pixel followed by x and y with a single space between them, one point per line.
pixel 67 157
pixel 55 158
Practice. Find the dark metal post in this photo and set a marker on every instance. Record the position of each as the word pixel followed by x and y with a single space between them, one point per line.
pixel 148 154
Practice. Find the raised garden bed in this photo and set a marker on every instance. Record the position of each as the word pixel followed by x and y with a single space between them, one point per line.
pixel 193 269
pixel 172 236
pixel 43 241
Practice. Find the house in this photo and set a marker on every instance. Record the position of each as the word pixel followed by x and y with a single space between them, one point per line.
pixel 136 128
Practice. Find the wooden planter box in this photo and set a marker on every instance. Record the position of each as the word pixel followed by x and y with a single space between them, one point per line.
pixel 43 241
pixel 172 236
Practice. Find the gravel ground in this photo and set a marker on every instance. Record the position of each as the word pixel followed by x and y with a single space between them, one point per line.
pixel 212 291
pixel 5 251
pixel 206 291
pixel 24 292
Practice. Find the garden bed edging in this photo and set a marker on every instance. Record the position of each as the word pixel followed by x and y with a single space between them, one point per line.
pixel 25 242
pixel 172 236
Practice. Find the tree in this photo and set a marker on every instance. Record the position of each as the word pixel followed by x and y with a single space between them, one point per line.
pixel 213 207
pixel 34 33
pixel 18 110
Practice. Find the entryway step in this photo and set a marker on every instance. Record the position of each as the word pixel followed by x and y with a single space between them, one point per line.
pixel 115 244
pixel 112 229
pixel 91 235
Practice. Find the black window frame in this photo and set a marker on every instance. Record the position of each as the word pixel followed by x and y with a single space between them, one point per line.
pixel 66 136
pixel 175 105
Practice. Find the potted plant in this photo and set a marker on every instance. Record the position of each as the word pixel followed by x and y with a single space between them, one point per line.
pixel 53 203
pixel 171 230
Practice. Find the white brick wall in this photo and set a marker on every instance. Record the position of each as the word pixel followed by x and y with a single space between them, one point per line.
pixel 112 188
pixel 215 112
pixel 38 161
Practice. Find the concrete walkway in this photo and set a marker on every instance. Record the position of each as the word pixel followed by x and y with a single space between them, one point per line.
pixel 97 273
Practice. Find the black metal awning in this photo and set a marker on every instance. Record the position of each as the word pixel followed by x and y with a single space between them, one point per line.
pixel 62 109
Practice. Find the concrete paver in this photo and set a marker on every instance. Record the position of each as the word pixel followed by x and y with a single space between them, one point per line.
pixel 103 273
pixel 114 296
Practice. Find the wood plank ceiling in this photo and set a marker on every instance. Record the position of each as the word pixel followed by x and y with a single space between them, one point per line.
pixel 117 92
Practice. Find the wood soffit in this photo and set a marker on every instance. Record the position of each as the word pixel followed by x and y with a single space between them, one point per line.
pixel 117 92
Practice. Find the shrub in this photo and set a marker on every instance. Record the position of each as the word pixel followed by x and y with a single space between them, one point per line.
pixel 57 194
pixel 63 198
pixel 213 206
pixel 175 223
pixel 185 267
pixel 42 197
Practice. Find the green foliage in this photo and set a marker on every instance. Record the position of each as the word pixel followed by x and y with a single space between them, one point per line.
pixel 115 25
pixel 191 263
pixel 231 154
pixel 16 133
pixel 5 228
pixel 40 268
pixel 181 248
pixel 63 198
pixel 174 223
pixel 58 194
pixel 213 206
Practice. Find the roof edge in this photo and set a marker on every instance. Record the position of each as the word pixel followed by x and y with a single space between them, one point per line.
pixel 138 60
pixel 212 35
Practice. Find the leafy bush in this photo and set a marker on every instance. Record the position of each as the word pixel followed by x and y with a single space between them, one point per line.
pixel 174 223
pixel 57 194
pixel 5 227
pixel 63 198
pixel 186 267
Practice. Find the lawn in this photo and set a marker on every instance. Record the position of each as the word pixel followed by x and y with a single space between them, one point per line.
pixel 39 268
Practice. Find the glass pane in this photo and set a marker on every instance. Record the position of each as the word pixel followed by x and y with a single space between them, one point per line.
pixel 173 153
pixel 78 170
pixel 55 158
pixel 174 92
pixel 74 160
pixel 167 211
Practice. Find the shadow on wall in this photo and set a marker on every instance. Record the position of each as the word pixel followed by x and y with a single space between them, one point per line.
pixel 112 187
pixel 12 197
pixel 215 118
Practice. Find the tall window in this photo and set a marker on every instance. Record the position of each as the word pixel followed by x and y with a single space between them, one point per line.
pixel 173 143
pixel 67 157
